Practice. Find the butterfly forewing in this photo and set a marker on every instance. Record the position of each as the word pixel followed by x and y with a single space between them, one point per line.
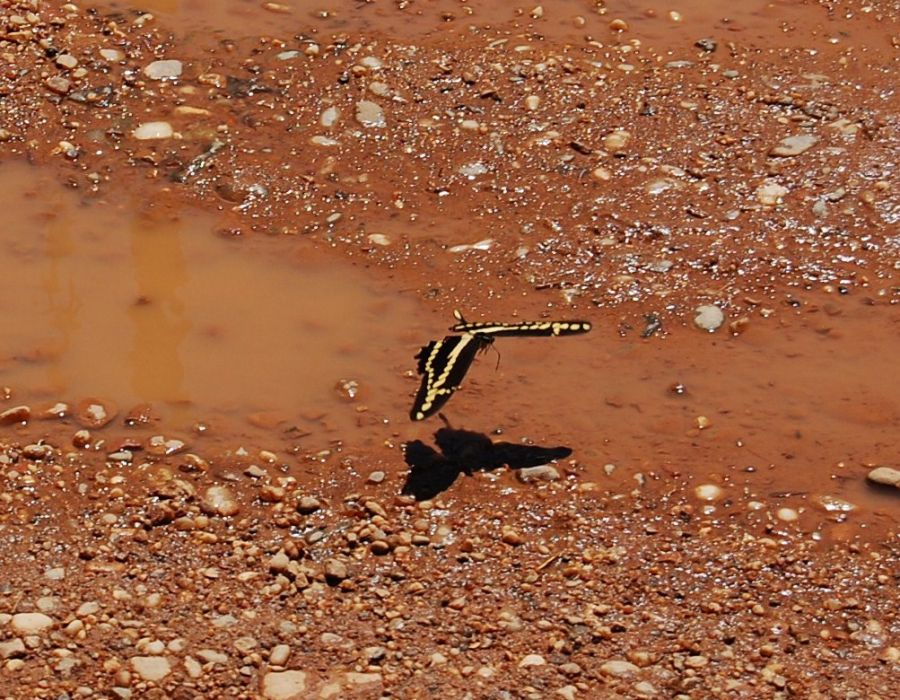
pixel 522 328
pixel 443 365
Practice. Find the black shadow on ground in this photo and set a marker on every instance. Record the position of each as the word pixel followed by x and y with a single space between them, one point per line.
pixel 465 452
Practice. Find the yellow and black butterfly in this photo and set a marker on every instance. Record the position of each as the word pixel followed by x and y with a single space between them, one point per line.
pixel 444 363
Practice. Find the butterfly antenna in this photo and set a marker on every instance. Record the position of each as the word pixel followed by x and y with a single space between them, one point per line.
pixel 498 356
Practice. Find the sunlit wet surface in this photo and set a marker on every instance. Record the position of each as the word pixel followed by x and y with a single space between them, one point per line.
pixel 125 301
pixel 798 407
pixel 760 22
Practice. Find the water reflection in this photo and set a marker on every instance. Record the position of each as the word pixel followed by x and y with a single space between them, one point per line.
pixel 158 313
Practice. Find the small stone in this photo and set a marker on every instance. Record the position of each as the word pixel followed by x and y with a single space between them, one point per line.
pixel 708 492
pixel 153 130
pixel 645 689
pixel 568 692
pixel 284 685
pixel 708 317
pixel 544 472
pixel 58 84
pixel 151 668
pixel 770 193
pixel 617 141
pixel 618 668
pixel 12 649
pixel 511 537
pixel 619 25
pixel 329 117
pixel 58 409
pixel 794 145
pixel 696 661
pixel 886 476
pixel 833 504
pixel 532 102
pixel 308 504
pixel 532 660
pixel 370 114
pixel 16 414
pixel 336 571
pixel 570 668
pixel 788 515
pixel 31 623
pixel 112 54
pixel 473 170
pixel 358 679
pixel 211 656
pixel 89 608
pixel 279 655
pixel 163 70
pixel 219 500
pixel 67 61
pixel 707 45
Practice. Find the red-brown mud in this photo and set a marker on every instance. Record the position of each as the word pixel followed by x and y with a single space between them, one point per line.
pixel 216 272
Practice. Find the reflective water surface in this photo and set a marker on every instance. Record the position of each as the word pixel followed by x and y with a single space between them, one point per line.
pixel 135 303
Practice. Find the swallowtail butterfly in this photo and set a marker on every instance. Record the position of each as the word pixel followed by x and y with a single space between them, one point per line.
pixel 443 363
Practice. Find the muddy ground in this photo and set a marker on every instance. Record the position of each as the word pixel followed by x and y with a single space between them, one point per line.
pixel 228 230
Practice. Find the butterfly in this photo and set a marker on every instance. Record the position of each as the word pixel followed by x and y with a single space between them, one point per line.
pixel 443 363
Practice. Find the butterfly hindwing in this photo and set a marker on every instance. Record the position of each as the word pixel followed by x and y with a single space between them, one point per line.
pixel 523 328
pixel 443 365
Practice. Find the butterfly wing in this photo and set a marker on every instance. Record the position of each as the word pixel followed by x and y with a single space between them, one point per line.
pixel 523 328
pixel 443 365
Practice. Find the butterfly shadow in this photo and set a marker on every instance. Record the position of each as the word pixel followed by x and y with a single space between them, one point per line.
pixel 465 452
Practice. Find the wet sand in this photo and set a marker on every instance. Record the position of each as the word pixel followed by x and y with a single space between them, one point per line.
pixel 229 229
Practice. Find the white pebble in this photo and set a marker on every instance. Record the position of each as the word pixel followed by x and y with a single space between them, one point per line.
pixel 154 130
pixel 794 145
pixel 789 515
pixel 617 140
pixel 163 70
pixel 370 114
pixel 151 668
pixel 709 317
pixel 770 193
pixel 112 54
pixel 378 239
pixel 284 685
pixel 532 660
pixel 886 476
pixel 31 623
pixel 329 117
pixel 708 492
pixel 618 668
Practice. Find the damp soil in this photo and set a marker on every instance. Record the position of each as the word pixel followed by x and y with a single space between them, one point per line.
pixel 230 227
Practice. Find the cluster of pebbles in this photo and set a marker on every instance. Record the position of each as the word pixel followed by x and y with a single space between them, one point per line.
pixel 185 575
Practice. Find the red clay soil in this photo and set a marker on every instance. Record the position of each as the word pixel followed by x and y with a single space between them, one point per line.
pixel 229 229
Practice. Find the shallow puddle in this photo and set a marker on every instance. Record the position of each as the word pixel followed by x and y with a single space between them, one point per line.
pixel 135 303
pixel 799 407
